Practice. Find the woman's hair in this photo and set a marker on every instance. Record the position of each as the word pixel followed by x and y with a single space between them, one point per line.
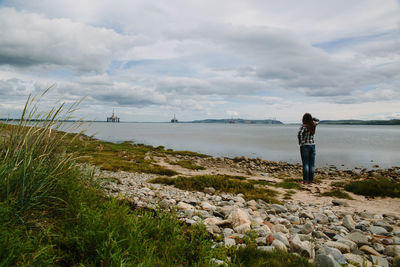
pixel 309 123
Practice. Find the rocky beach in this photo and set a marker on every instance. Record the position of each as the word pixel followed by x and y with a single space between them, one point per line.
pixel 355 230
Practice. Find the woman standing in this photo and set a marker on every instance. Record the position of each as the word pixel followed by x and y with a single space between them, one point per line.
pixel 307 147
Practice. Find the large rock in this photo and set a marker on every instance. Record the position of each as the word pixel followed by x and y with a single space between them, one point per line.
pixel 392 251
pixel 239 217
pixel 380 261
pixel 229 241
pixel 184 206
pixel 281 237
pixel 358 238
pixel 321 218
pixel 349 223
pixel 307 228
pixel 279 245
pixel 243 228
pixel 279 228
pixel 325 261
pixel 279 208
pixel 340 246
pixel 377 230
pixel 368 250
pixel 304 248
pixel 357 259
pixel 334 252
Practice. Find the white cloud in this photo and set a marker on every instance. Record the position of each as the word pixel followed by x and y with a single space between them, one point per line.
pixel 32 40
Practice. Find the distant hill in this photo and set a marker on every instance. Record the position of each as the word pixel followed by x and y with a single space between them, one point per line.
pixel 361 122
pixel 241 121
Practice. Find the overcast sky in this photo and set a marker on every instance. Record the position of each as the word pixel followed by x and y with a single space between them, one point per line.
pixel 254 59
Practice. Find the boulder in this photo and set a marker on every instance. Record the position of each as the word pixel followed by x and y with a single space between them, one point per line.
pixel 325 261
pixel 358 238
pixel 368 250
pixel 380 261
pixel 239 217
pixel 279 245
pixel 304 248
pixel 349 223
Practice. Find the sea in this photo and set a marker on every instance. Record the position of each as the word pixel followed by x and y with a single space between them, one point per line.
pixel 343 146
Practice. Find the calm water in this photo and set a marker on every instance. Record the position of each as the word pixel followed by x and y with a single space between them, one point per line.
pixel 342 146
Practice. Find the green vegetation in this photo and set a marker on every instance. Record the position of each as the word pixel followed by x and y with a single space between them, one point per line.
pixel 336 193
pixel 250 256
pixel 382 187
pixel 288 194
pixel 188 164
pixel 52 213
pixel 287 183
pixel 222 183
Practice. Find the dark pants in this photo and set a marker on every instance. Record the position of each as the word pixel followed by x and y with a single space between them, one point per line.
pixel 308 158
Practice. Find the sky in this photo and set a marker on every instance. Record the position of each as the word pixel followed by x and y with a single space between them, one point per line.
pixel 253 59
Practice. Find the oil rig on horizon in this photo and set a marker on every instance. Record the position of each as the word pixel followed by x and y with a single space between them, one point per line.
pixel 174 120
pixel 113 118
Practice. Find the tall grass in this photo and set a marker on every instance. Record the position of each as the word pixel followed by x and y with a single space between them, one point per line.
pixel 31 162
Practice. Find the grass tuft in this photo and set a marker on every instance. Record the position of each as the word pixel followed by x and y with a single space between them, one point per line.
pixel 375 188
pixel 222 183
pixel 188 164
pixel 337 194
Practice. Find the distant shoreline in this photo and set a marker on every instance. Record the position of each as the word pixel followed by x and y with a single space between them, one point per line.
pixel 242 121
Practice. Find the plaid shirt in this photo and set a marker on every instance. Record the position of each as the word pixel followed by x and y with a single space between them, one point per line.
pixel 304 136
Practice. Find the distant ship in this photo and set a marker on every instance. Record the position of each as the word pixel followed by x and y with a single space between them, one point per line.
pixel 113 118
pixel 174 120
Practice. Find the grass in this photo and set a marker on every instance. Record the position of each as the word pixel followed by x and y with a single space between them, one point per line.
pixel 286 184
pixel 222 183
pixel 110 156
pixel 188 164
pixel 375 188
pixel 54 213
pixel 337 194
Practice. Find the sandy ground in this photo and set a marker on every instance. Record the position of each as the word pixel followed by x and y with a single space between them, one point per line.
pixel 309 194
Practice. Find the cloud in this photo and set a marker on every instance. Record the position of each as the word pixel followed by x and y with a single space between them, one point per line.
pixel 32 40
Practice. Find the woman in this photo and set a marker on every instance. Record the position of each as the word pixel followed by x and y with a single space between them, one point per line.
pixel 307 146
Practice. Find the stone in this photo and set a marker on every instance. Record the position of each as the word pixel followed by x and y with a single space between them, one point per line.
pixel 279 228
pixel 239 217
pixel 338 245
pixel 377 230
pixel 229 242
pixel 357 259
pixel 279 208
pixel 304 248
pixel 218 262
pixel 263 230
pixel 165 204
pixel 261 241
pixel 396 240
pixel 383 224
pixel 349 223
pixel 227 231
pixel 378 260
pixel 321 218
pixel 338 202
pixel 392 250
pixel 325 261
pixel 209 190
pixel 207 206
pixel 184 206
pixel 334 252
pixel 279 245
pixel 214 221
pixel 270 239
pixel 358 238
pixel 307 228
pixel 369 250
pixel 363 225
pixel 281 237
pixel 379 247
pixel 242 229
pixel 306 214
